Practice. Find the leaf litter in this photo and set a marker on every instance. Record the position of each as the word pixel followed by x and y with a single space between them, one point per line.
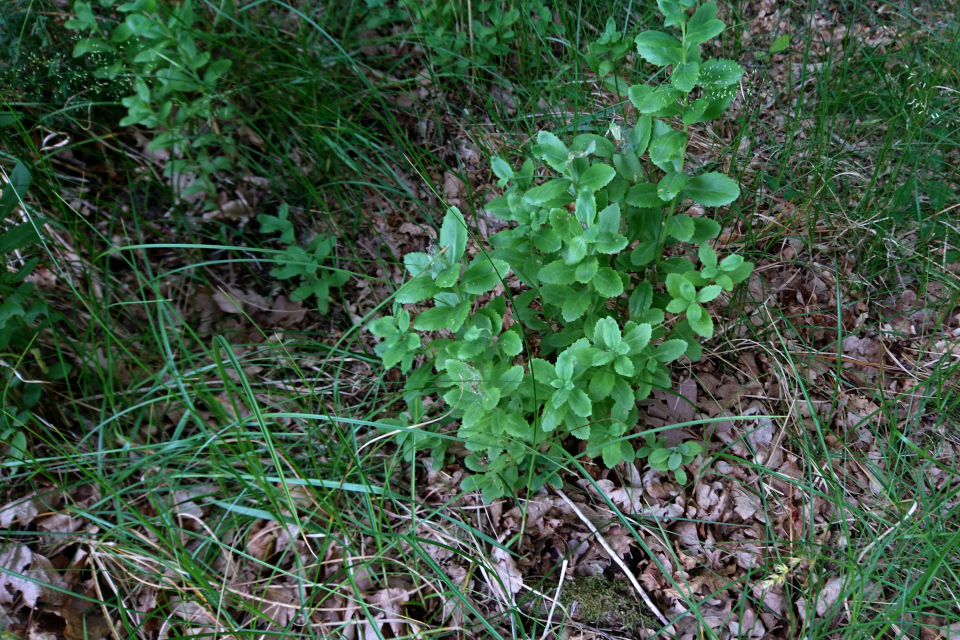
pixel 749 504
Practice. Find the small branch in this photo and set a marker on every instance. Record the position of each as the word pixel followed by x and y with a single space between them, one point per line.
pixel 616 558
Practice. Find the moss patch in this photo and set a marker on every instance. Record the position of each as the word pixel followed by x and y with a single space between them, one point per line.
pixel 603 602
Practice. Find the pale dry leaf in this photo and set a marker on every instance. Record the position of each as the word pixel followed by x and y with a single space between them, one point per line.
pixel 228 302
pixel 748 504
pixel 510 576
pixel 280 604
pixel 18 564
pixel 829 595
pixel 21 511
pixel 389 602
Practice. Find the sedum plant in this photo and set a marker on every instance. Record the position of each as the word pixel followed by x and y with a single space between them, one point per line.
pixel 617 282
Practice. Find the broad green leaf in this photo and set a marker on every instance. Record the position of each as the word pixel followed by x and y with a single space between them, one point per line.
pixel 638 92
pixel 515 425
pixel 585 270
pixel 640 135
pixel 684 76
pixel 602 147
pixel 601 384
pixel 703 325
pixel 673 462
pixel 608 282
pixel 664 101
pixel 510 343
pixel 670 350
pixel 557 272
pixel 483 275
pixel 706 229
pixel 717 74
pixel 609 219
pixel 453 235
pixel 707 255
pixel 553 191
pixel 659 48
pixel 611 454
pixel 644 253
pixel 553 151
pixel 644 195
pixel 638 338
pixel 576 250
pixel 439 318
pixel 18 237
pixel 731 262
pixel 677 305
pixel 712 189
pixel 669 188
pixel 502 169
pixel 552 417
pixel 667 147
pixel 417 263
pixel 607 333
pixel 579 403
pixel 586 209
pixel 596 177
pixel 703 24
pixel 681 227
pixel 708 293
pixel 780 44
pixel 658 457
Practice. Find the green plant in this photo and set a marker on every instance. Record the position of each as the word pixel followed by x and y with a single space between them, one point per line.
pixel 175 84
pixel 304 263
pixel 23 316
pixel 590 247
pixel 664 458
pixel 463 40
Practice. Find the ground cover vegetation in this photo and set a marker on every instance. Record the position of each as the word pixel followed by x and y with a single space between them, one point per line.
pixel 387 319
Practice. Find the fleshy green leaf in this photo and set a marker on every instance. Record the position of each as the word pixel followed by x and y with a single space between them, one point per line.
pixel 708 293
pixel 510 343
pixel 585 270
pixel 554 190
pixel 579 402
pixel 684 76
pixel 705 229
pixel 611 454
pixel 557 272
pixel 669 187
pixel 644 195
pixel 596 177
pixel 453 235
pixel 659 48
pixel 712 189
pixel 703 325
pixel 502 169
pixel 717 74
pixel 707 255
pixel 670 350
pixel 663 101
pixel 608 282
pixel 681 227
pixel 417 290
pixel 703 24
